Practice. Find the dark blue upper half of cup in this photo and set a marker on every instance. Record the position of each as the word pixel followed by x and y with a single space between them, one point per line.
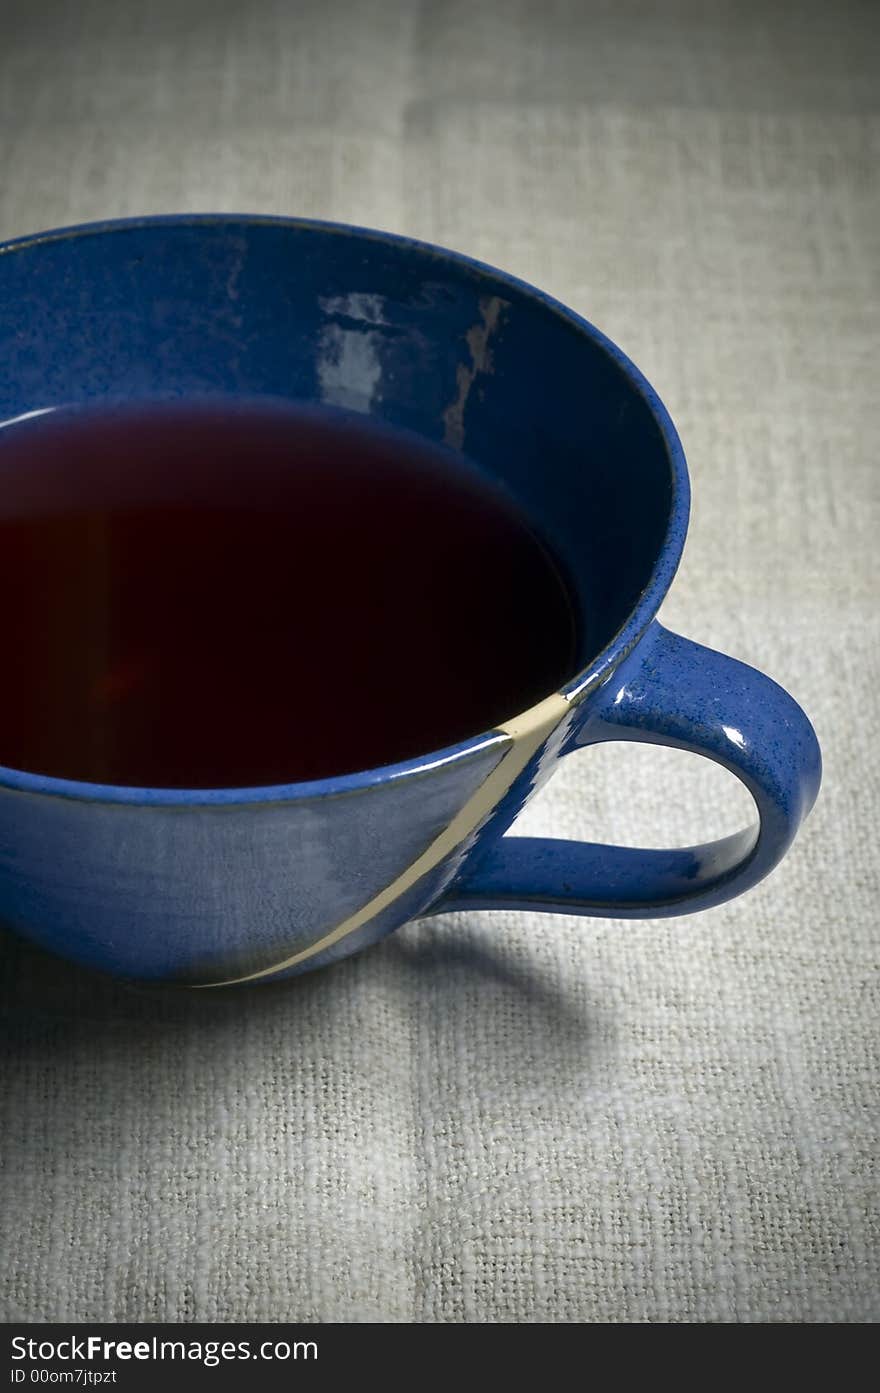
pixel 418 337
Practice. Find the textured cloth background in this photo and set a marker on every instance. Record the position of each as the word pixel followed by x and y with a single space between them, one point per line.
pixel 513 1117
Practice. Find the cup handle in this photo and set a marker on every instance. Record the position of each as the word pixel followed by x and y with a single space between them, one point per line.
pixel 669 691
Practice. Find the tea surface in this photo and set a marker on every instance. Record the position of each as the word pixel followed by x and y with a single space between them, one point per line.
pixel 225 594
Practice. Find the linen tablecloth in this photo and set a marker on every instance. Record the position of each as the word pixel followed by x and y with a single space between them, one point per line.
pixel 499 1117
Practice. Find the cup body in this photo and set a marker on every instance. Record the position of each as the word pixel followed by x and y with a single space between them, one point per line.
pixel 226 885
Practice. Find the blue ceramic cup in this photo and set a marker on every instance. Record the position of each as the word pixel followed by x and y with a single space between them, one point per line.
pixel 232 885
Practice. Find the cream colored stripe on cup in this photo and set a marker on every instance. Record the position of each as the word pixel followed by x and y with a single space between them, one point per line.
pixel 528 733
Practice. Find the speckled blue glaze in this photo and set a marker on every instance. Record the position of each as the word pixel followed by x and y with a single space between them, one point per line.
pixel 189 886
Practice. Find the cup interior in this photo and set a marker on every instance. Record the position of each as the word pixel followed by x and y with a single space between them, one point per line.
pixel 423 340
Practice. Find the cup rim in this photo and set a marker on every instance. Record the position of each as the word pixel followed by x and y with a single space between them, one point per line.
pixel 584 682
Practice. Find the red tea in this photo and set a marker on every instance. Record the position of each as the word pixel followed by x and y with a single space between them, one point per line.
pixel 230 594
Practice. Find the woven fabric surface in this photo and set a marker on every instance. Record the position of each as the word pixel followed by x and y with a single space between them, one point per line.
pixel 510 1117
